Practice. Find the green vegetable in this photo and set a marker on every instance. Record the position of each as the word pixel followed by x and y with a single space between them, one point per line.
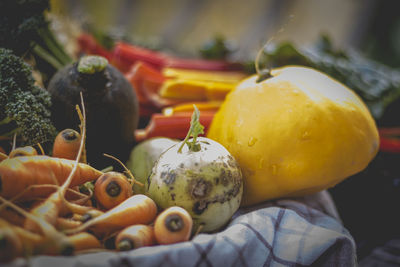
pixel 195 129
pixel 378 85
pixel 24 28
pixel 143 157
pixel 111 108
pixel 201 176
pixel 217 48
pixel 25 107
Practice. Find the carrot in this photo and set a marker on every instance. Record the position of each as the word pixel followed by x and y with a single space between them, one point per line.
pixel 35 244
pixel 66 145
pixel 135 236
pixel 173 225
pixel 76 207
pixel 3 156
pixel 18 173
pixel 23 151
pixel 138 209
pixel 11 216
pixel 53 241
pixel 31 243
pixel 111 189
pixel 64 224
pixel 10 244
pixel 44 216
pixel 50 209
pixel 84 241
pixel 33 192
pixel 90 214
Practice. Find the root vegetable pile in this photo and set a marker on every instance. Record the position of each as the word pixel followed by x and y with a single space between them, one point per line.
pixel 59 205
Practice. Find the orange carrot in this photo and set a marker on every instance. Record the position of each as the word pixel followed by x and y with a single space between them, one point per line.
pixel 18 173
pixel 11 216
pixel 31 243
pixel 10 244
pixel 35 244
pixel 54 242
pixel 66 145
pixel 23 151
pixel 90 214
pixel 84 241
pixel 64 224
pixel 173 225
pixel 111 189
pixel 43 217
pixel 49 210
pixel 138 209
pixel 135 236
pixel 3 156
pixel 33 192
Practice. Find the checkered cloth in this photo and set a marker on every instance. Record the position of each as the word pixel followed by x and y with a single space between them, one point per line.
pixel 288 232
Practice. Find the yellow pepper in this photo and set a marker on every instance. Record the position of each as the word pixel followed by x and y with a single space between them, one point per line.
pixel 204 75
pixel 207 106
pixel 199 90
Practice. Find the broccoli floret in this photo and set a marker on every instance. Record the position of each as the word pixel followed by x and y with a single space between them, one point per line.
pixel 25 30
pixel 25 107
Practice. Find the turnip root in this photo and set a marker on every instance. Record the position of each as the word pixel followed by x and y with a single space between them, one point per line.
pixel 201 176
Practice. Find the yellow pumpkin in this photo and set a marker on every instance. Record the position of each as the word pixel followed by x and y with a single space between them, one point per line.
pixel 295 133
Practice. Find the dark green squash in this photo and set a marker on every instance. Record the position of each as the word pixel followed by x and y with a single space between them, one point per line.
pixel 111 105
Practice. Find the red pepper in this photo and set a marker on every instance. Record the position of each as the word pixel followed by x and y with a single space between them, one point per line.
pixel 389 139
pixel 125 55
pixel 147 80
pixel 88 45
pixel 173 126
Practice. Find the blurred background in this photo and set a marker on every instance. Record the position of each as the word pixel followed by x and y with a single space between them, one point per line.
pixel 368 202
pixel 185 25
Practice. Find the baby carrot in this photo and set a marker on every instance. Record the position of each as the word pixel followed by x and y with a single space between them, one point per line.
pixel 135 236
pixel 111 189
pixel 138 209
pixel 66 145
pixel 173 225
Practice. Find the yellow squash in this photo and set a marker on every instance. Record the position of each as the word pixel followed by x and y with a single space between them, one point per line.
pixel 295 133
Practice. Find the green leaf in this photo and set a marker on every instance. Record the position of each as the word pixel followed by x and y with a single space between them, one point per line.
pixel 195 130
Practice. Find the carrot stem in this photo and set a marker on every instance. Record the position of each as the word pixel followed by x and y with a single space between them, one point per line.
pixel 126 169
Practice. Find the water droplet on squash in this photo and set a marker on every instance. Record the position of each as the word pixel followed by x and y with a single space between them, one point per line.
pixel 252 141
pixel 305 135
pixel 261 163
